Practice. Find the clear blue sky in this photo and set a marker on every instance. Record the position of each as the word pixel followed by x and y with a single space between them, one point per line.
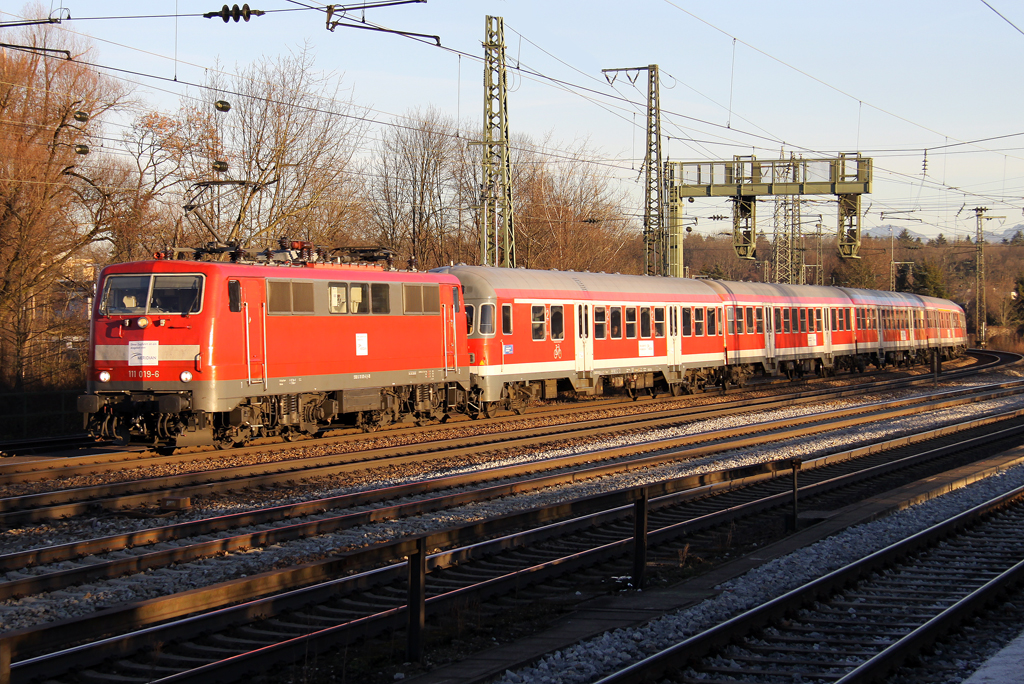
pixel 890 79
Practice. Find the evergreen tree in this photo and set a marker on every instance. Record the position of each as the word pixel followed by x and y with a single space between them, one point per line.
pixel 929 280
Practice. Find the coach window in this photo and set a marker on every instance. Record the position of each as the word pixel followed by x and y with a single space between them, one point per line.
pixel 750 320
pixel 730 320
pixel 630 322
pixel 486 324
pixel 778 320
pixel 803 320
pixel 759 315
pixel 817 319
pixel 234 296
pixel 537 321
pixel 557 323
pixel 600 329
pixel 712 321
pixel 506 319
pixel 615 321
pixel 834 319
pixel 687 323
pixel 645 322
pixel 785 320
pixel 659 321
pixel 337 298
pixel 359 298
pixel 470 318
pixel 698 322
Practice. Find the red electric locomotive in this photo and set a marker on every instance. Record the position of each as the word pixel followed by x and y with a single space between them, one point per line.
pixel 199 352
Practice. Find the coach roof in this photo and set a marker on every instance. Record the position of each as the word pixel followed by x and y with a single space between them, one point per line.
pixel 482 282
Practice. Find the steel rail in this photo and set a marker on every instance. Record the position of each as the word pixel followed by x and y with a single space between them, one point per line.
pixel 656 666
pixel 287 531
pixel 70 466
pixel 52 637
pixel 76 501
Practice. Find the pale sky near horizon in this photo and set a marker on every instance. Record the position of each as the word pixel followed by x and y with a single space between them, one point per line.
pixel 888 79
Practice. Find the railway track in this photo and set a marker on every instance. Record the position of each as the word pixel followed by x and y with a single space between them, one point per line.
pixel 494 563
pixel 63 448
pixel 50 502
pixel 862 621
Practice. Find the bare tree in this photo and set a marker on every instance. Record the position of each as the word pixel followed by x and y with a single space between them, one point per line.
pixel 567 214
pixel 50 107
pixel 288 140
pixel 416 197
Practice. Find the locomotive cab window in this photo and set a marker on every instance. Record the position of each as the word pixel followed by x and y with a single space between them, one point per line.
pixel 139 294
pixel 470 311
pixel 537 322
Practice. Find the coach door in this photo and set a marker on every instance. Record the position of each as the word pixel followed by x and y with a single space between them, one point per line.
pixel 584 338
pixel 826 331
pixel 769 333
pixel 254 308
pixel 673 342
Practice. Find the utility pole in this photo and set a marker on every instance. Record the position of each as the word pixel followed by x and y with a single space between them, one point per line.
pixel 980 306
pixel 655 240
pixel 497 236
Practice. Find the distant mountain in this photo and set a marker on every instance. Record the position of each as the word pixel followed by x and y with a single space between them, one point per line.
pixel 991 236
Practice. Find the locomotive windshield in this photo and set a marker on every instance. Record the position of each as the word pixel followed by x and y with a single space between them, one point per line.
pixel 141 294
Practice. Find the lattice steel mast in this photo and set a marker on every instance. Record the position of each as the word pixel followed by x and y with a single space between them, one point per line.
pixel 497 236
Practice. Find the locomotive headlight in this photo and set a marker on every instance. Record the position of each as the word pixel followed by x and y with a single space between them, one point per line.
pixel 143 322
pixel 104 376
pixel 186 376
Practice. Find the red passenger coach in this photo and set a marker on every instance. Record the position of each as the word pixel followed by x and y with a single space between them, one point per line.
pixel 194 352
pixel 534 333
